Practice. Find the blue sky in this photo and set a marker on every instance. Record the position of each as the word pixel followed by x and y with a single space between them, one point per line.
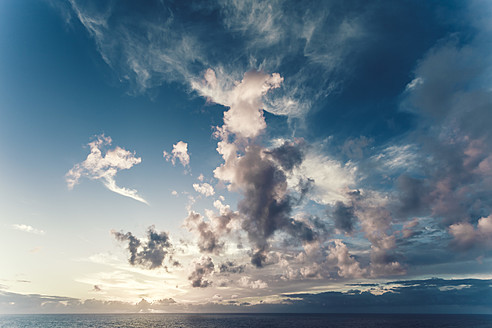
pixel 233 154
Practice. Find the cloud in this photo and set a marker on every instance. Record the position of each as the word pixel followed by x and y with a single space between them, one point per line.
pixel 179 152
pixel 203 267
pixel 204 189
pixel 149 253
pixel 260 174
pixel 210 232
pixel 28 228
pixel 344 217
pixel 245 115
pixel 407 296
pixel 247 282
pixel 100 165
pixel 466 236
pixel 231 267
pixel 208 240
pixel 175 45
pixel 330 179
pixel 339 255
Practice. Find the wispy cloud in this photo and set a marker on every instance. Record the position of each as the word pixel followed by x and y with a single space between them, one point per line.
pixel 100 165
pixel 28 228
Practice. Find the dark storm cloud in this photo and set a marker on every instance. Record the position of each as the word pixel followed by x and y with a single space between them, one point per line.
pixel 204 267
pixel 151 253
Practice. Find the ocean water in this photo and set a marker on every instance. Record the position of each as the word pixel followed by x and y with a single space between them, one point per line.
pixel 242 320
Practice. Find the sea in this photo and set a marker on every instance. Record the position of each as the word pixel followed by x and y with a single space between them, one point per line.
pixel 243 320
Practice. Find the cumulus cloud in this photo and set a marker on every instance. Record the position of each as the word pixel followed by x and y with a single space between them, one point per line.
pixel 231 267
pixel 245 115
pixel 150 252
pixel 247 282
pixel 212 230
pixel 260 174
pixel 348 267
pixel 467 236
pixel 203 267
pixel 204 189
pixel 28 228
pixel 179 152
pixel 104 165
pixel 208 239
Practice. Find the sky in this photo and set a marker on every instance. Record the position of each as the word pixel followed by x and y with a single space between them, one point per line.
pixel 245 156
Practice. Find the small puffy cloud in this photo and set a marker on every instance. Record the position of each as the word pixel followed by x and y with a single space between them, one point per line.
pixel 247 282
pixel 149 253
pixel 414 83
pixel 203 267
pixel 174 193
pixel 204 189
pixel 28 228
pixel 179 152
pixel 466 236
pixel 104 166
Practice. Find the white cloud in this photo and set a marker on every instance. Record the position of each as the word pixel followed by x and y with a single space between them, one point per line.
pixel 104 167
pixel 414 83
pixel 204 189
pixel 179 152
pixel 245 115
pixel 28 228
pixel 174 193
pixel 331 179
pixel 398 157
pixel 467 236
pixel 247 282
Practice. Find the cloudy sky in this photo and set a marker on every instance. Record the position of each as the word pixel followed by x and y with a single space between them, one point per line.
pixel 245 156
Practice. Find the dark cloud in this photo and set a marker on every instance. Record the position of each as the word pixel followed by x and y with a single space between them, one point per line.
pixel 208 240
pixel 151 253
pixel 210 232
pixel 344 217
pixel 231 267
pixel 414 196
pixel 288 155
pixel 267 203
pixel 204 267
